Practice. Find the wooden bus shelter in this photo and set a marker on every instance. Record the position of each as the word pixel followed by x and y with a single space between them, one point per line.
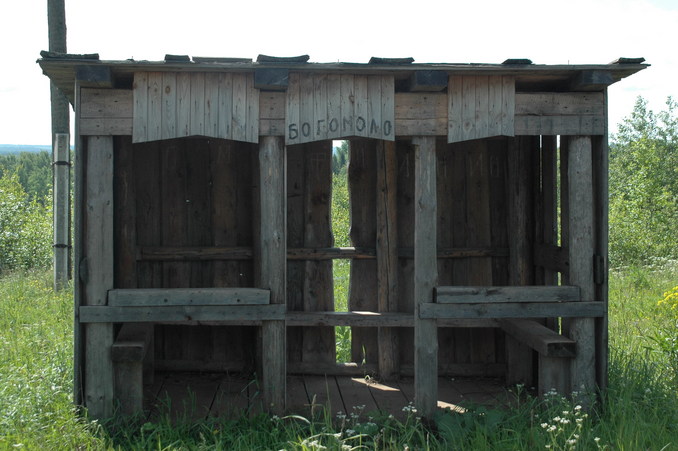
pixel 204 241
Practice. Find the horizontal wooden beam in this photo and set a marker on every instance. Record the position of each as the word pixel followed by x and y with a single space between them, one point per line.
pixel 351 369
pixel 188 296
pixel 198 253
pixel 132 343
pixel 459 294
pixel 575 309
pixel 539 337
pixel 234 314
pixel 372 319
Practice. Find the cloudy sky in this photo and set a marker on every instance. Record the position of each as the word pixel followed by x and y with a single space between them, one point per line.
pixel 547 32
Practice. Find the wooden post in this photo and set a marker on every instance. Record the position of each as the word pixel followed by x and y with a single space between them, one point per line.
pixel 62 210
pixel 580 251
pixel 98 254
pixel 425 275
pixel 519 357
pixel 56 25
pixel 387 254
pixel 273 237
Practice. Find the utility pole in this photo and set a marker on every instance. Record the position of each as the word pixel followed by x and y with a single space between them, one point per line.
pixel 56 22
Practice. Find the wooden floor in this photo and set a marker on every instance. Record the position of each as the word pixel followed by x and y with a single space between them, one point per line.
pixel 194 396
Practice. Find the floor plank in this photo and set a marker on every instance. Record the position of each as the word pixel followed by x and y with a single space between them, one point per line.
pixel 231 398
pixel 356 395
pixel 323 391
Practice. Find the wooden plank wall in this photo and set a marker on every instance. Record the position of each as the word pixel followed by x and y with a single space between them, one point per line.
pixel 310 283
pixel 186 192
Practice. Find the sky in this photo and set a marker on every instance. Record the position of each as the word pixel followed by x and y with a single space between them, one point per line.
pixel 451 31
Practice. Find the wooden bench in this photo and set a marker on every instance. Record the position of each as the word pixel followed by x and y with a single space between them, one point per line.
pixel 518 310
pixel 138 309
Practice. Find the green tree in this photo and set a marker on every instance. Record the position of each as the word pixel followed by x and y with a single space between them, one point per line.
pixel 25 228
pixel 340 158
pixel 34 171
pixel 644 186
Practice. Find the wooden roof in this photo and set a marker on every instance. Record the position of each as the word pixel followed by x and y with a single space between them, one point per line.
pixel 64 69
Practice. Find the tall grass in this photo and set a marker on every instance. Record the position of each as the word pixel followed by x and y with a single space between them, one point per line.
pixel 639 410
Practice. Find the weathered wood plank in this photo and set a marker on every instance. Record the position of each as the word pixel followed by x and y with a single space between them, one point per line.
pixel 106 103
pixel 272 164
pixel 252 124
pixel 387 253
pixel 559 125
pixel 168 127
pixel 405 213
pixel 181 313
pixel 540 338
pixel 373 117
pixel 188 296
pixel 580 249
pixel 579 309
pixel 363 289
pixel 140 89
pixel 425 275
pixel 371 319
pixel 225 105
pixel 495 104
pixel 154 116
pixel 239 110
pixel 62 210
pixel 457 294
pixel 99 255
pixel 508 95
pixel 211 104
pixel 183 104
pixel 318 344
pixel 197 104
pixel 559 104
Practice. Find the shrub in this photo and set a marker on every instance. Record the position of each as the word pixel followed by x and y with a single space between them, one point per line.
pixel 25 228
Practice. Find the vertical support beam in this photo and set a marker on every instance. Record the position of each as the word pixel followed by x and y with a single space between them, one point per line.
pixel 601 211
pixel 78 277
pixel 273 238
pixel 98 252
pixel 580 251
pixel 425 275
pixel 520 149
pixel 62 209
pixel 387 254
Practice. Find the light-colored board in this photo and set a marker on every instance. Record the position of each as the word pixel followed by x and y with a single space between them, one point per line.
pixel 187 296
pixel 425 275
pixel 155 104
pixel 197 104
pixel 456 294
pixel 233 314
pixel 327 106
pixel 99 254
pixel 225 105
pixel 273 266
pixel 140 114
pixel 168 128
pixel 211 104
pixel 579 309
pixel 480 106
pixel 172 105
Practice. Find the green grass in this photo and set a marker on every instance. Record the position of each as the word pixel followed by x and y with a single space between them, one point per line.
pixel 640 410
